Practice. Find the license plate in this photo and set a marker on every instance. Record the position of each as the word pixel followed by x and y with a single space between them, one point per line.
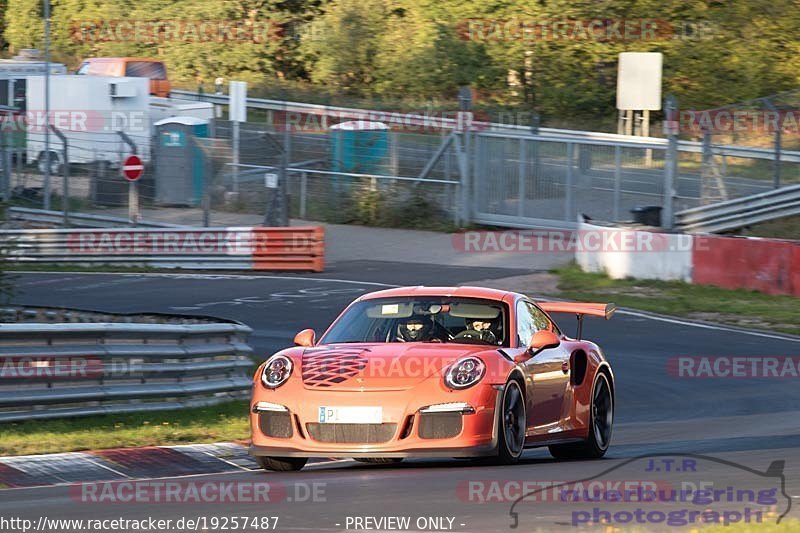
pixel 350 415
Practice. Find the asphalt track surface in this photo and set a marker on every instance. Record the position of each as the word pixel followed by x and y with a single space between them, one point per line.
pixel 734 429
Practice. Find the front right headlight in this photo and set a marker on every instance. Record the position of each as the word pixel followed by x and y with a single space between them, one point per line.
pixel 276 371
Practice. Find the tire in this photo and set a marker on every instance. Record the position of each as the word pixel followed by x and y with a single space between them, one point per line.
pixel 55 163
pixel 511 425
pixel 282 464
pixel 379 460
pixel 601 420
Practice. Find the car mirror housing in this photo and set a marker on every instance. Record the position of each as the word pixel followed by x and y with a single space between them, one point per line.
pixel 543 340
pixel 306 338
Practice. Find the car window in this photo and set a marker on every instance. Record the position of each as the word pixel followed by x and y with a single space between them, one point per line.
pixel 530 319
pixel 84 69
pixel 443 319
pixel 146 69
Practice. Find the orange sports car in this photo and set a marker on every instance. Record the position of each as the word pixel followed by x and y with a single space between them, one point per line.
pixel 435 372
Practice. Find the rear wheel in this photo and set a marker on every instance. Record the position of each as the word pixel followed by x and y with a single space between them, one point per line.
pixel 512 424
pixel 379 460
pixel 601 418
pixel 282 464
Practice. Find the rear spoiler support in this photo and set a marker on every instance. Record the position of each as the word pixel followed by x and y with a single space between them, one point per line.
pixel 580 310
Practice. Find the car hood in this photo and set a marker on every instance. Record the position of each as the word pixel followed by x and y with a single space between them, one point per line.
pixel 388 366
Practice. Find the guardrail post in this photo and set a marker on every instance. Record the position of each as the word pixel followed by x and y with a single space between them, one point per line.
pixel 617 180
pixel 65 174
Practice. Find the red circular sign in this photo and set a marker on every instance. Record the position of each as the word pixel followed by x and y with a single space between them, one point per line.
pixel 132 168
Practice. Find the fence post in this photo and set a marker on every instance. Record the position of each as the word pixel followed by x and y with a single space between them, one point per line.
pixel 65 175
pixel 523 161
pixel 776 161
pixel 568 207
pixel 303 193
pixel 133 190
pixel 5 154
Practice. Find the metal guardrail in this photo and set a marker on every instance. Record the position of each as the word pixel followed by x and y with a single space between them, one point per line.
pixel 235 248
pixel 67 370
pixel 56 218
pixel 735 214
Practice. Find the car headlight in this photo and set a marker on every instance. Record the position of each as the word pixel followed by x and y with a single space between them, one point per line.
pixel 276 371
pixel 465 373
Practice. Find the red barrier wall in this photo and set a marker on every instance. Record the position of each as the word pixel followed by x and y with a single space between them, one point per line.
pixel 765 265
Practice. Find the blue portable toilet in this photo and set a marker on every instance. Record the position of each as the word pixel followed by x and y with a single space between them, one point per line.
pixel 360 147
pixel 179 162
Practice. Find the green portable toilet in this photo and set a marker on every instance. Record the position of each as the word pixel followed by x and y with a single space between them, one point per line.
pixel 179 161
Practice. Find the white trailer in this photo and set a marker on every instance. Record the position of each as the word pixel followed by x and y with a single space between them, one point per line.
pixel 90 111
pixel 162 108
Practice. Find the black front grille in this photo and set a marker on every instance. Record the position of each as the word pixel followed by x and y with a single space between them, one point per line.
pixel 275 424
pixel 439 425
pixel 352 433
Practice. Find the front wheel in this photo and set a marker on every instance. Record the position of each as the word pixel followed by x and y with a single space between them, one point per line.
pixel 55 164
pixel 282 464
pixel 512 424
pixel 601 418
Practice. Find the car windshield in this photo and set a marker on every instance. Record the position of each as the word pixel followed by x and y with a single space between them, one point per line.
pixel 438 319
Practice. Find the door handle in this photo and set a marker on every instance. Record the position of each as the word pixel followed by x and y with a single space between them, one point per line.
pixel 565 367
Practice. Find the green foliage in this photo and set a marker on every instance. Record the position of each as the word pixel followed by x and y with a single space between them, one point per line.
pixel 418 52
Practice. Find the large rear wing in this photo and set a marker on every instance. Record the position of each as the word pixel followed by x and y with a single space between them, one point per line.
pixel 580 310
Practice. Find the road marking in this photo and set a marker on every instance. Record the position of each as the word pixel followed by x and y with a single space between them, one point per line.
pixel 629 312
pixel 214 276
pixel 717 327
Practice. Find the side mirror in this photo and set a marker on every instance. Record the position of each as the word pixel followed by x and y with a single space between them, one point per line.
pixel 307 337
pixel 542 340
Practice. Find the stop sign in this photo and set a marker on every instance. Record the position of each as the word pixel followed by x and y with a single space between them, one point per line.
pixel 132 168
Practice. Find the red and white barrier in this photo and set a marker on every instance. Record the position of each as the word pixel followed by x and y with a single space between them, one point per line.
pixel 771 266
pixel 238 248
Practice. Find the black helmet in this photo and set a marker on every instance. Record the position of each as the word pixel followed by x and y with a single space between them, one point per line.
pixel 414 329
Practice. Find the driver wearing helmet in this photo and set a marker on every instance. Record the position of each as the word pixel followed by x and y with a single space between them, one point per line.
pixel 479 329
pixel 414 329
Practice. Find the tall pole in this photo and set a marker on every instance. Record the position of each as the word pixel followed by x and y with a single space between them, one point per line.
pixel 47 190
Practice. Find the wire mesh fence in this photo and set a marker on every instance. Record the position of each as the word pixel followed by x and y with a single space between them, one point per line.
pixel 399 171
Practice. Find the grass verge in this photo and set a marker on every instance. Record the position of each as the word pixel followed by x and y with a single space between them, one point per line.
pixel 736 307
pixel 224 422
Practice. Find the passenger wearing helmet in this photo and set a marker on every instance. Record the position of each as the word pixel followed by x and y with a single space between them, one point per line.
pixel 479 329
pixel 414 329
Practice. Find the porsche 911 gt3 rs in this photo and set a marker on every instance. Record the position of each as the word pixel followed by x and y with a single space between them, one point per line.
pixel 435 372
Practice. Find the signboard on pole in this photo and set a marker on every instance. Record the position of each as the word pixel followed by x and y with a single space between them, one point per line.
pixel 237 110
pixel 132 168
pixel 639 81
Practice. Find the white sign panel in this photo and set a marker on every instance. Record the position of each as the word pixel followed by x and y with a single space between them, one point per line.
pixel 639 81
pixel 237 93
pixel 270 180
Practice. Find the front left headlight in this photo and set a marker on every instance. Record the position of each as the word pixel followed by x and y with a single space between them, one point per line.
pixel 465 373
pixel 276 371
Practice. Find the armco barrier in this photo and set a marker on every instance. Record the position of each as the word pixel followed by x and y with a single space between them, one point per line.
pixel 236 248
pixel 766 265
pixel 67 370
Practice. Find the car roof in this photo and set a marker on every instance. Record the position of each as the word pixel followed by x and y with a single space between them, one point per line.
pixel 463 292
